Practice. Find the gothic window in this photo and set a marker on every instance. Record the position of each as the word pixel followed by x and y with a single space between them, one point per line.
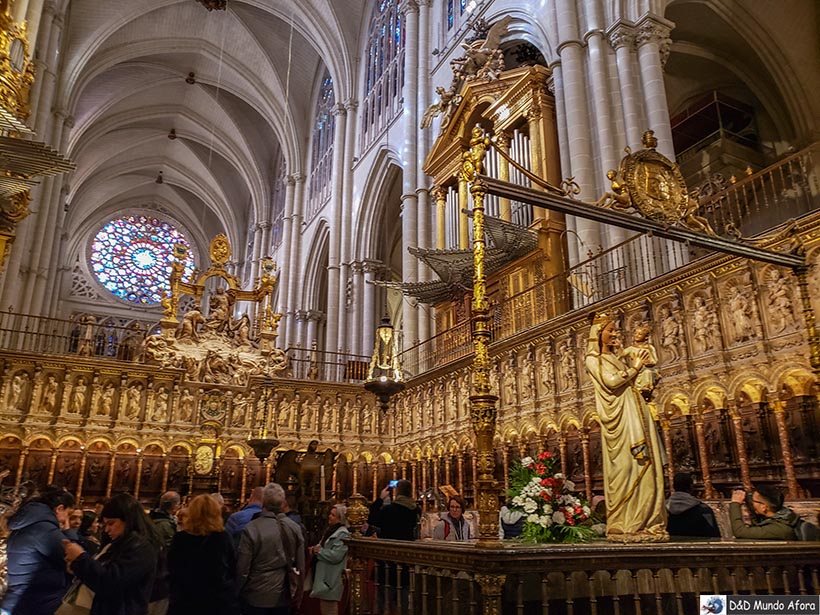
pixel 131 257
pixel 321 163
pixel 384 72
pixel 458 11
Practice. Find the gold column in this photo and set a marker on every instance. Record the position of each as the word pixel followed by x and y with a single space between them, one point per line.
pixel 140 461
pixel 491 587
pixel 447 467
pixel 413 481
pixel 435 476
pixel 375 479
pixel 190 471
pixel 502 142
pixel 587 469
pixel 740 442
pixel 355 477
pixel 424 484
pixel 52 466
pixel 460 469
pixel 463 228
pixel 704 460
pixel 505 458
pixel 562 451
pixel 788 462
pixel 110 484
pixel 21 462
pixel 440 194
pixel 667 442
pixel 474 468
pixel 482 401
pixel 81 477
pixel 244 487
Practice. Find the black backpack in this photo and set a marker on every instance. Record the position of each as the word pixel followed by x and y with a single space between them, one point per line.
pixel 807 531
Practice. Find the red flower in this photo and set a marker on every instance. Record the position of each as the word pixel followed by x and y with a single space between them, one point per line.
pixel 544 456
pixel 540 468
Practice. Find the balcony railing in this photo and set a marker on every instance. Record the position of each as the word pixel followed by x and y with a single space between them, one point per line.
pixel 327 366
pixel 437 578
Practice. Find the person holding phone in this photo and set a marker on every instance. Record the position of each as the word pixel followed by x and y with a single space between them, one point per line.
pixel 384 499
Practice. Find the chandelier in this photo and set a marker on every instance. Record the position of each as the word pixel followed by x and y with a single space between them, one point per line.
pixel 384 377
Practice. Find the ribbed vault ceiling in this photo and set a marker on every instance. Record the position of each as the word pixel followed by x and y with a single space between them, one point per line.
pixel 256 65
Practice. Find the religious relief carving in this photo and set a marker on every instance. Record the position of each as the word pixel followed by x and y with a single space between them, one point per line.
pixel 48 399
pixel 79 395
pixel 509 392
pixel 569 366
pixel 483 58
pixel 546 369
pixel 19 391
pixel 161 401
pixel 779 300
pixel 648 377
pixel 741 313
pixel 187 402
pixel 525 379
pixel 705 328
pixel 671 334
pixel 105 403
pixel 132 401
pixel 240 410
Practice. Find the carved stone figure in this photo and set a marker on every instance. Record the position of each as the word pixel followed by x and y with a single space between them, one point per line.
pixel 569 368
pixel 647 378
pixel 510 397
pixel 447 103
pixel 86 345
pixel 189 327
pixel 452 400
pixel 133 397
pixel 78 396
pixel 219 314
pixel 242 331
pixel 546 371
pixel 367 418
pixel 48 401
pixel 105 405
pixel 347 417
pixel 18 395
pixel 240 409
pixel 740 313
pixel 483 57
pixel 160 413
pixel 704 326
pixel 671 332
pixel 780 301
pixel 186 406
pixel 525 380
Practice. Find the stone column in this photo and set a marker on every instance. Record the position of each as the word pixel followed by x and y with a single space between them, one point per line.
pixel 653 48
pixel 294 296
pixel 740 442
pixel 21 463
pixel 562 451
pixel 140 461
pixel 460 469
pixel 346 341
pixel 166 467
pixel 285 273
pixel 52 466
pixel 110 482
pixel 704 459
pixel 621 36
pixel 243 489
pixel 370 319
pixel 577 117
pixel 334 284
pixel 424 484
pixel 447 463
pixel 356 309
pixel 435 476
pixel 81 477
pixel 793 489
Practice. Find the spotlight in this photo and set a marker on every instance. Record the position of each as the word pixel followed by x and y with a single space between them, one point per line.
pixel 191 79
pixel 159 179
pixel 173 134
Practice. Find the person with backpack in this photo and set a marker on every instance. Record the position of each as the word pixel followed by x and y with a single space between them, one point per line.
pixel 774 521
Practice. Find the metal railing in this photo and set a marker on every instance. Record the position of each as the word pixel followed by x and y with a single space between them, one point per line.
pixel 43 335
pixel 327 366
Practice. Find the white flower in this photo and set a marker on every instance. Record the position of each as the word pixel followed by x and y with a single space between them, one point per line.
pixel 545 520
pixel 532 518
pixel 527 461
pixel 586 510
pixel 559 475
pixel 518 501
pixel 547 509
pixel 570 486
pixel 530 506
pixel 558 517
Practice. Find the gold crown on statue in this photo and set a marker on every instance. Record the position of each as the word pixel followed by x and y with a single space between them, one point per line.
pixel 602 319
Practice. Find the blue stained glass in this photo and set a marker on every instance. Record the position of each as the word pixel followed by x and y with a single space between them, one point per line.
pixel 463 6
pixel 131 257
pixel 450 14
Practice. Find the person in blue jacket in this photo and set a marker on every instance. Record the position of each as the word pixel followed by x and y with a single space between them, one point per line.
pixel 36 570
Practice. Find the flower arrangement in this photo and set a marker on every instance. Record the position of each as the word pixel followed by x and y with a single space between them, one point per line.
pixel 554 513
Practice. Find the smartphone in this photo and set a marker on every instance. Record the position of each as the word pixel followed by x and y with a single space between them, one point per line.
pixel 392 484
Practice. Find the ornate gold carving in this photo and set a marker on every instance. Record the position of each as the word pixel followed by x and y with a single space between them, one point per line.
pixel 16 69
pixel 653 185
pixel 220 250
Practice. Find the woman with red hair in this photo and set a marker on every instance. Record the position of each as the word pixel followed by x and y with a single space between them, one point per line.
pixel 202 563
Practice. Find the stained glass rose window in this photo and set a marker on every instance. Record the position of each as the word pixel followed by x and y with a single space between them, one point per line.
pixel 131 256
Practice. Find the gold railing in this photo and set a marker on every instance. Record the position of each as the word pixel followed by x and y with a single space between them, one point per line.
pixel 598 578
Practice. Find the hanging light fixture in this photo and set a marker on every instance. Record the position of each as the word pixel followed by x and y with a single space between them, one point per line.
pixel 384 377
pixel 262 445
pixel 159 179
